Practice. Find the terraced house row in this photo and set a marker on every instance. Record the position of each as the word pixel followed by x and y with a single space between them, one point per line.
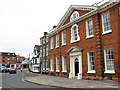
pixel 86 43
pixel 8 59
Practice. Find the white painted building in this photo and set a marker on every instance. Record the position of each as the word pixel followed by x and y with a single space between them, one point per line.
pixel 35 61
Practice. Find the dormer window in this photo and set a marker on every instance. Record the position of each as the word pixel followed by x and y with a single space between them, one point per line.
pixel 74 16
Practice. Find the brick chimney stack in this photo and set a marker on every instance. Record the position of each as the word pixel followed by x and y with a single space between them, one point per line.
pixel 45 33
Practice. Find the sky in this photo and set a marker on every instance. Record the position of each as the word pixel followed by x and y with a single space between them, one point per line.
pixel 23 22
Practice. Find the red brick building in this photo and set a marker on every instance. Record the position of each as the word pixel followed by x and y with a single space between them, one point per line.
pixel 20 58
pixel 8 59
pixel 86 43
pixel 19 61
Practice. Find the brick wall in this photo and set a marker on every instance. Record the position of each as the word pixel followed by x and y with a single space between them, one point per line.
pixel 97 44
pixel 5 60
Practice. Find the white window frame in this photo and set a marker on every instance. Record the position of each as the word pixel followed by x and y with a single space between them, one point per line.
pixel 108 31
pixel 51 43
pixel 47 50
pixel 72 34
pixel 87 29
pixel 41 53
pixel 106 70
pixel 43 64
pixel 46 39
pixel 57 64
pixel 89 65
pixel 46 64
pixel 63 64
pixel 76 15
pixel 57 41
pixel 13 57
pixel 8 62
pixel 51 64
pixel 63 37
pixel 8 58
pixel 38 60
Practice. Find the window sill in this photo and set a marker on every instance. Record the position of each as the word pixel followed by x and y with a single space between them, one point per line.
pixel 57 46
pixel 47 69
pixel 110 72
pixel 51 48
pixel 75 41
pixel 51 70
pixel 106 32
pixel 91 72
pixel 57 70
pixel 64 44
pixel 43 68
pixel 64 71
pixel 89 36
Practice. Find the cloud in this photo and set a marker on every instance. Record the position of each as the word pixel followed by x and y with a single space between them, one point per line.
pixel 23 22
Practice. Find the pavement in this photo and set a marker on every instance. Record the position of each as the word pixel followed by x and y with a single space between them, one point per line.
pixel 70 83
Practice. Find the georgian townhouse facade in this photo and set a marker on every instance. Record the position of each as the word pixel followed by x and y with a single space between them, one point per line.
pixel 8 59
pixel 44 54
pixel 86 43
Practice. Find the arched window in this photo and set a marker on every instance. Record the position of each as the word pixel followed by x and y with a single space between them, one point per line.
pixel 74 33
pixel 74 15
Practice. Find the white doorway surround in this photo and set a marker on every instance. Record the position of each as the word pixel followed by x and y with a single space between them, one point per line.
pixel 75 53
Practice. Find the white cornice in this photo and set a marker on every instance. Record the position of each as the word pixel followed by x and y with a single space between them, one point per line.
pixel 107 6
pixel 97 10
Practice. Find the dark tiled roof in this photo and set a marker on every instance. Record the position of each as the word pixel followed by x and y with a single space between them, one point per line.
pixel 37 47
pixel 7 54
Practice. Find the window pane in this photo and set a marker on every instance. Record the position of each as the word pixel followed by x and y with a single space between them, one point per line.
pixel 75 33
pixel 47 64
pixel 109 59
pixel 65 63
pixel 106 21
pixel 90 27
pixel 52 64
pixel 52 43
pixel 64 37
pixel 57 63
pixel 57 40
pixel 92 62
pixel 74 15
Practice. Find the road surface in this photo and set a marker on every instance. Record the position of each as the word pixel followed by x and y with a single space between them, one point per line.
pixel 15 82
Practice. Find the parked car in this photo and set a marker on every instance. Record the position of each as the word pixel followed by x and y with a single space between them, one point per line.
pixel 7 70
pixel 12 70
pixel 3 69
